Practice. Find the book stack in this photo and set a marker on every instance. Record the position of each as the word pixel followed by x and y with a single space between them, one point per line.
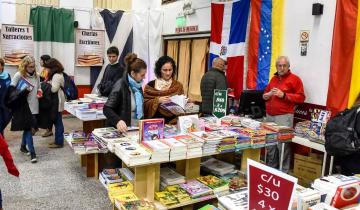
pixel 231 120
pixel 211 123
pixel 228 140
pixel 166 198
pixel 216 184
pixel 250 123
pixel 160 151
pixel 340 190
pixel 243 141
pixel 72 106
pixel 193 145
pixel 125 197
pixel 196 189
pixel 271 137
pixel 178 192
pixel 109 176
pixel 177 149
pixel 86 114
pixel 132 153
pixel 126 174
pixel 257 137
pixel 217 167
pixel 236 201
pixel 76 140
pixel 151 129
pixel 135 205
pixel 121 188
pixel 109 136
pixel 284 133
pixel 306 198
pixel 170 177
pixel 211 141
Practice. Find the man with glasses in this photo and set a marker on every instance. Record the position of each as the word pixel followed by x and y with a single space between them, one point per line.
pixel 284 91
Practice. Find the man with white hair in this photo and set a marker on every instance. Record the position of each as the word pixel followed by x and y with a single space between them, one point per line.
pixel 213 79
pixel 284 91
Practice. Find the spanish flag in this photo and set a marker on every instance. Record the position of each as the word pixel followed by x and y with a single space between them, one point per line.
pixel 344 80
pixel 265 41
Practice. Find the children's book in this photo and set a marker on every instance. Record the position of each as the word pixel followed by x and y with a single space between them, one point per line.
pixel 151 129
pixel 195 188
pixel 188 123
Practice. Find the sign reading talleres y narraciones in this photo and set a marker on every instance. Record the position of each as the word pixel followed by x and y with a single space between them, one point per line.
pixel 89 47
pixel 17 41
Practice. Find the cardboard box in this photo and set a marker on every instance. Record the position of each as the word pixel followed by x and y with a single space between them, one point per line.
pixel 308 167
pixel 304 182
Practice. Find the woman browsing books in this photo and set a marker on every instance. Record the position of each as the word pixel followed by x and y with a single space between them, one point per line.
pixel 124 106
pixel 157 92
pixel 27 83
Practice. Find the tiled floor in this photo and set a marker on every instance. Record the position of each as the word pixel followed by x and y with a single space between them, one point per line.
pixel 57 181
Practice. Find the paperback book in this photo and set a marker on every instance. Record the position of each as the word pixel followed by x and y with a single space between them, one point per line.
pixel 151 129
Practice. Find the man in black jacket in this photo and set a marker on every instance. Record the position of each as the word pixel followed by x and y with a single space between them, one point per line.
pixel 113 72
pixel 212 79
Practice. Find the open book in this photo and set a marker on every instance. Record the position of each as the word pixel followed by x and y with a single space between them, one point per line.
pixel 176 105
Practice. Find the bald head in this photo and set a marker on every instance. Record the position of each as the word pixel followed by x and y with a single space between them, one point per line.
pixel 219 63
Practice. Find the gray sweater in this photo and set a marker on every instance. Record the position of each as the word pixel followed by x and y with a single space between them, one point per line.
pixel 31 98
pixel 56 83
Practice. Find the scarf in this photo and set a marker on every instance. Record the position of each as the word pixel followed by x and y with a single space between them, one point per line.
pixel 4 75
pixel 161 84
pixel 139 99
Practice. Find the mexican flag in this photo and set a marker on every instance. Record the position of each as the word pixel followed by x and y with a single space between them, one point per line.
pixel 54 35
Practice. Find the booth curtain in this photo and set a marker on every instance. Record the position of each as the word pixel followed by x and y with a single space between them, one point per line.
pixel 184 64
pixel 113 4
pixel 172 50
pixel 199 50
pixel 23 8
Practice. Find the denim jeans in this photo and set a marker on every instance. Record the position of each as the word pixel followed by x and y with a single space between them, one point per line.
pixel 0 200
pixel 59 130
pixel 27 139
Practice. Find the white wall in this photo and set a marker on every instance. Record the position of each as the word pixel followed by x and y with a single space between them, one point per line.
pixel 314 68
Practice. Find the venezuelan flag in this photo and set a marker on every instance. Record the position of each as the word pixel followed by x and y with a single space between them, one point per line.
pixel 265 41
pixel 344 80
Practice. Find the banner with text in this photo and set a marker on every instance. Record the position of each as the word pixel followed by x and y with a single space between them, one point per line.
pixel 269 188
pixel 17 41
pixel 220 103
pixel 90 47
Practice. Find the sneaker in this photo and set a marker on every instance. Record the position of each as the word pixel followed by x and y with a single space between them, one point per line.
pixel 47 133
pixel 54 146
pixel 24 150
pixel 33 158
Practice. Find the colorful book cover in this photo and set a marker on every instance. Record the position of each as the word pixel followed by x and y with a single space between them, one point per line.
pixel 151 129
pixel 166 198
pixel 212 181
pixel 178 192
pixel 126 197
pixel 137 205
pixel 24 84
pixel 196 188
pixel 188 123
pixel 174 108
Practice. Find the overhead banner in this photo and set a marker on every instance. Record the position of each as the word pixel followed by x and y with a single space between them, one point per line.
pixel 90 45
pixel 17 41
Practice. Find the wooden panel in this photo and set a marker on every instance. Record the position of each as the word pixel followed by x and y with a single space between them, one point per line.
pixel 90 165
pixel 140 182
pixel 253 154
pixel 189 168
pixel 89 126
pixel 83 160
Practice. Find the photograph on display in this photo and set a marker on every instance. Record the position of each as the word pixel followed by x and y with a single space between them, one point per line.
pixel 89 47
pixel 17 41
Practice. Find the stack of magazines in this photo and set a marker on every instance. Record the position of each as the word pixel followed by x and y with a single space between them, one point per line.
pixel 160 151
pixel 193 144
pixel 132 153
pixel 170 177
pixel 211 141
pixel 217 167
pixel 196 189
pixel 177 149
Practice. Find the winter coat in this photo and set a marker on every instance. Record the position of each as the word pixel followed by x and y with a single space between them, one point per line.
pixel 48 106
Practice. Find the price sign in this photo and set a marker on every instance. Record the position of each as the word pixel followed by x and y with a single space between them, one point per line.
pixel 219 103
pixel 269 189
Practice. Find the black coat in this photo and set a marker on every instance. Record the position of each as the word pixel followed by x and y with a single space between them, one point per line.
pixel 213 79
pixel 118 105
pixel 48 107
pixel 16 101
pixel 112 74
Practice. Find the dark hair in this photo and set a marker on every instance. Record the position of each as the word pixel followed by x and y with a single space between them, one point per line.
pixel 161 61
pixel 55 67
pixel 133 63
pixel 112 50
pixel 44 58
pixel 2 62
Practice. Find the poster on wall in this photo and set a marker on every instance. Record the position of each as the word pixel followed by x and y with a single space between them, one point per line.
pixel 17 41
pixel 89 47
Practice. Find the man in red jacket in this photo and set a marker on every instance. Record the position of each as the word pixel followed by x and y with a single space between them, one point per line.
pixel 284 91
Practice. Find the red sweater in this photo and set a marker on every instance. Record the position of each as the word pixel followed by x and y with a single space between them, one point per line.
pixel 293 88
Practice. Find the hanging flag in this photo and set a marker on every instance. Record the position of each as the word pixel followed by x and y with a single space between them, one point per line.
pixel 119 33
pixel 227 40
pixel 54 35
pixel 344 80
pixel 265 41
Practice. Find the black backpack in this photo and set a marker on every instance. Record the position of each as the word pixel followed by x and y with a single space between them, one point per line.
pixel 341 137
pixel 70 89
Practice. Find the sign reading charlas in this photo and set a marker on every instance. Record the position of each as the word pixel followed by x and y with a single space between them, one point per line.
pixel 89 47
pixel 17 41
pixel 269 188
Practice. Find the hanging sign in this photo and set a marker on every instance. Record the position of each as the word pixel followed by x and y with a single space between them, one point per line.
pixel 17 41
pixel 219 103
pixel 187 29
pixel 269 188
pixel 90 45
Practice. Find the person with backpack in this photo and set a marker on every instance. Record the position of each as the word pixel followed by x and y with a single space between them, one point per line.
pixel 113 72
pixel 57 81
pixel 284 91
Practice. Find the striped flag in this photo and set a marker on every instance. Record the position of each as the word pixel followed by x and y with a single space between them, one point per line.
pixel 228 32
pixel 265 41
pixel 344 81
